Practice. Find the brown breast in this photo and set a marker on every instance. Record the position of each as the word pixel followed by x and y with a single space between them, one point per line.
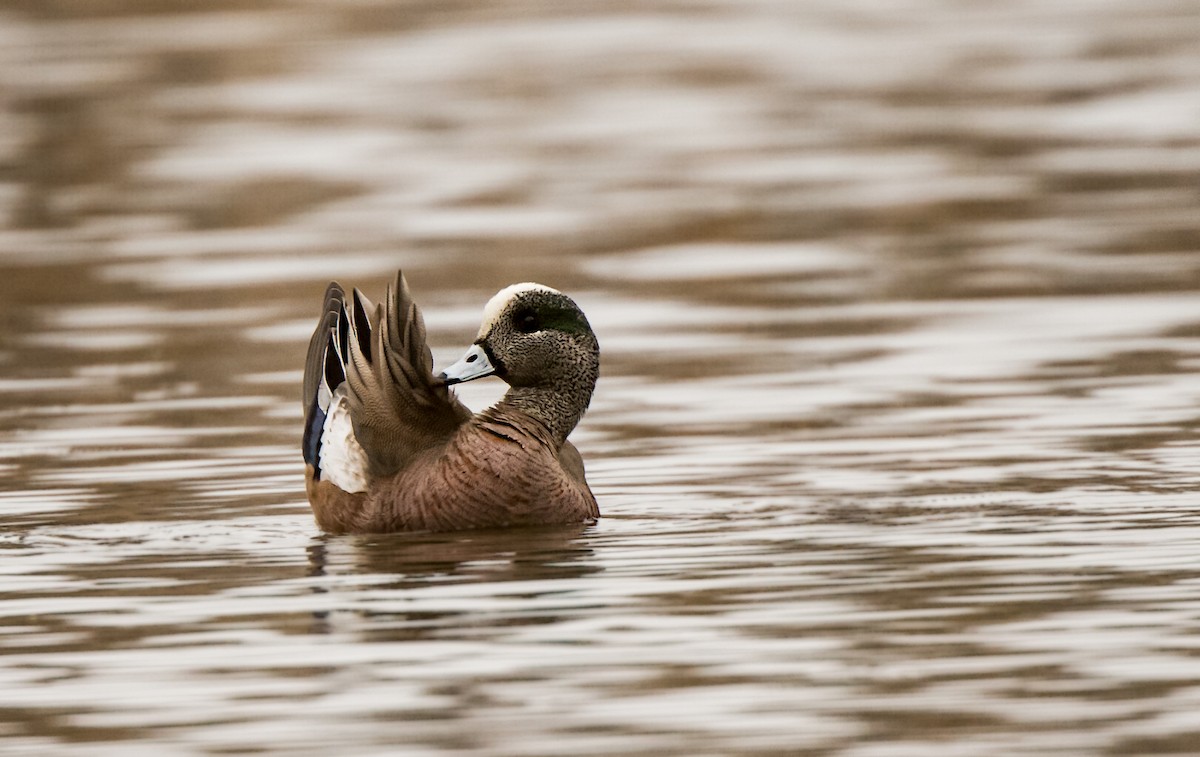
pixel 486 476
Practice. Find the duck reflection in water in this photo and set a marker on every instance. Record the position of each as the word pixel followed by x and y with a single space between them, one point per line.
pixel 398 569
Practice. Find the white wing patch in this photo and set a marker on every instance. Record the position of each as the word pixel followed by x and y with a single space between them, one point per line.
pixel 342 460
pixel 500 300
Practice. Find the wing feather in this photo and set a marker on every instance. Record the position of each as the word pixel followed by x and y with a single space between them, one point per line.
pixel 323 373
pixel 314 366
pixel 398 407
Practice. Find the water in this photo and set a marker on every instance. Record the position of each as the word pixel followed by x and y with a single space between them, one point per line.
pixel 896 435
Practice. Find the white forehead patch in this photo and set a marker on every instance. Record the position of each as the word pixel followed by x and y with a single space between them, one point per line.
pixel 499 301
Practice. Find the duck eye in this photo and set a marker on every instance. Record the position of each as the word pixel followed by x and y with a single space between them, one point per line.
pixel 527 323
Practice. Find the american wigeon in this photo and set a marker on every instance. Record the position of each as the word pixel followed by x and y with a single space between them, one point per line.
pixel 387 445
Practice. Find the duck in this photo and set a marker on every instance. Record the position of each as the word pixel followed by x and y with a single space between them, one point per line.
pixel 389 447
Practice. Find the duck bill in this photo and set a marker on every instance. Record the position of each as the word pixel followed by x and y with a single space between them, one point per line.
pixel 473 365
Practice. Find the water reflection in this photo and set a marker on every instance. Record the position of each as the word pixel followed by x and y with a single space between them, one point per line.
pixel 481 584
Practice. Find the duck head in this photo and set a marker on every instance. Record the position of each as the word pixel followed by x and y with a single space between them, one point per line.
pixel 532 336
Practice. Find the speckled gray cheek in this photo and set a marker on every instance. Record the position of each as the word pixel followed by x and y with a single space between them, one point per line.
pixel 552 374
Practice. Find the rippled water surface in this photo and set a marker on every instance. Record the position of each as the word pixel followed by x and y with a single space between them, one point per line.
pixel 896 439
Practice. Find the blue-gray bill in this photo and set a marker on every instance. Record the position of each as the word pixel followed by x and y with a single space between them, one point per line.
pixel 473 365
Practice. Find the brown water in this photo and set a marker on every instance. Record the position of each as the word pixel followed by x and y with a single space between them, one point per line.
pixel 896 439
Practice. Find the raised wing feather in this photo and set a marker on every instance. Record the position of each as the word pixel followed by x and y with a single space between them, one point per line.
pixel 324 372
pixel 398 407
pixel 327 325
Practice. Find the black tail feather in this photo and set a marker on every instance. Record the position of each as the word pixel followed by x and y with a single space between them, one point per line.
pixel 362 323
